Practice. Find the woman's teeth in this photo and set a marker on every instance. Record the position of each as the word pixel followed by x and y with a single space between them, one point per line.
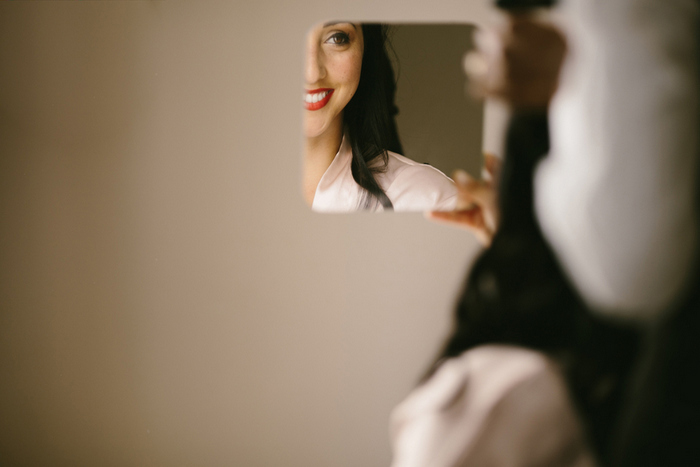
pixel 313 98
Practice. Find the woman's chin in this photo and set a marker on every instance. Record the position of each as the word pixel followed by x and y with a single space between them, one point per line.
pixel 314 130
pixel 312 133
pixel 318 124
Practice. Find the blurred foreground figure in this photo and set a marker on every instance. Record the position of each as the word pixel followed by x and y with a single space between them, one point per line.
pixel 536 372
pixel 616 196
pixel 618 201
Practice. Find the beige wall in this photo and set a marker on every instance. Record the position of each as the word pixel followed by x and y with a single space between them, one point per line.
pixel 166 296
pixel 438 123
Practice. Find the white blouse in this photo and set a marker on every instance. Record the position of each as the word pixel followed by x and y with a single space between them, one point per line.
pixel 410 186
pixel 492 405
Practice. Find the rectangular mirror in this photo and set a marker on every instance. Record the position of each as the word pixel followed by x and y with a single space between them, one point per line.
pixel 386 115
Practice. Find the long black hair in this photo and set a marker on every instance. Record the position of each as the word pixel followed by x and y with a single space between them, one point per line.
pixel 369 117
pixel 517 294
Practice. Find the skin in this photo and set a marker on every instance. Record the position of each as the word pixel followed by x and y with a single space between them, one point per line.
pixel 522 64
pixel 523 70
pixel 333 61
pixel 476 209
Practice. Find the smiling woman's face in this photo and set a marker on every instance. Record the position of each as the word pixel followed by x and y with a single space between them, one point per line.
pixel 332 73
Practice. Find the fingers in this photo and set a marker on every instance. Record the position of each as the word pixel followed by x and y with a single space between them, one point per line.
pixel 463 182
pixel 519 63
pixel 467 218
pixel 471 220
pixel 471 192
pixel 492 167
pixel 475 207
pixel 477 194
pixel 476 67
pixel 480 65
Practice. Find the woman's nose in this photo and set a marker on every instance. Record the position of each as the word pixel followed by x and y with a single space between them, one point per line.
pixel 315 69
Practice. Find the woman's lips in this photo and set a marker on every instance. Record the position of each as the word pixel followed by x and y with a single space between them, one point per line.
pixel 316 99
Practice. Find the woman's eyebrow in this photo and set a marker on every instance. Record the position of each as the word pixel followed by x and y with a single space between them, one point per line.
pixel 332 23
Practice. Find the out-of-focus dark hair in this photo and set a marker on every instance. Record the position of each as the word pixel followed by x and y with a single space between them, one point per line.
pixel 369 117
pixel 517 294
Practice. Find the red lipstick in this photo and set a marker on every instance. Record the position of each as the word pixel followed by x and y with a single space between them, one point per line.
pixel 323 96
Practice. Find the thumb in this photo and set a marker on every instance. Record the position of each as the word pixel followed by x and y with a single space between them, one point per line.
pixel 492 166
pixel 471 193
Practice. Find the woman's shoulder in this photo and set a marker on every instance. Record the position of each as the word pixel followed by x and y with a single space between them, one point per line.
pixel 489 399
pixel 402 168
pixel 413 186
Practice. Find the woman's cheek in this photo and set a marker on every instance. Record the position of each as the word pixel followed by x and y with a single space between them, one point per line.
pixel 350 68
pixel 356 70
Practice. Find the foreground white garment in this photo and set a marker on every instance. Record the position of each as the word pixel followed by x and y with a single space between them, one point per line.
pixel 492 406
pixel 409 185
pixel 615 196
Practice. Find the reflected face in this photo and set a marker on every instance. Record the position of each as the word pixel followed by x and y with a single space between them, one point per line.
pixel 332 73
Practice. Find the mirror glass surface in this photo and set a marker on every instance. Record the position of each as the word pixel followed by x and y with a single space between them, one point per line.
pixel 427 121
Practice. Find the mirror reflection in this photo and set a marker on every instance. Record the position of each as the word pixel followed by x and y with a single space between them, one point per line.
pixel 386 116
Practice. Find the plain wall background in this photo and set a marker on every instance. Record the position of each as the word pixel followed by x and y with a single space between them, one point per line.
pixel 166 296
pixel 436 126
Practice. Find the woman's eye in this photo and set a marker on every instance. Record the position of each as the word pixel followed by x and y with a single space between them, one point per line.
pixel 339 38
